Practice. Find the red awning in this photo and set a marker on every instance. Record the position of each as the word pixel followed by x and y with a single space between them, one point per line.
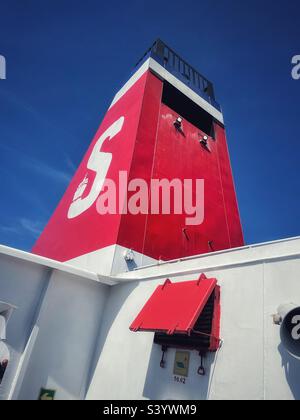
pixel 175 307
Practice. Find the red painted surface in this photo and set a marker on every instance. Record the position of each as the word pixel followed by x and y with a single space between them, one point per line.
pixel 148 147
pixel 230 201
pixel 174 307
pixel 181 156
pixel 133 227
pixel 63 238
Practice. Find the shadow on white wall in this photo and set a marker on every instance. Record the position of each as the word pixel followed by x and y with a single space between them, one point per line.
pixel 292 371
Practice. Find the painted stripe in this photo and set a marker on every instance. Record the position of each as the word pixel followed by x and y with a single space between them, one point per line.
pixel 162 72
pixel 134 78
pixel 166 75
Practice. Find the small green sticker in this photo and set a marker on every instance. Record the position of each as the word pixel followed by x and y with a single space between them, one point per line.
pixel 47 394
pixel 181 363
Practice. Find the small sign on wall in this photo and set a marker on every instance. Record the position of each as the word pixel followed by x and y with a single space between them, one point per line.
pixel 181 363
pixel 46 394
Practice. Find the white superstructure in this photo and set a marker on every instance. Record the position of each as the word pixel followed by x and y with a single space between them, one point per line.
pixel 69 328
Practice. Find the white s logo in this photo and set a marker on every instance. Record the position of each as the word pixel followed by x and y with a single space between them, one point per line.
pixel 296 330
pixel 296 69
pixel 98 162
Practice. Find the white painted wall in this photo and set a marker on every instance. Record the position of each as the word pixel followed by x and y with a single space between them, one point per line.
pixel 23 287
pixel 110 260
pixel 68 325
pixel 248 366
pixel 53 331
pixel 70 331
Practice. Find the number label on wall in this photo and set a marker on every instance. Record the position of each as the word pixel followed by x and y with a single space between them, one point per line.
pixel 179 379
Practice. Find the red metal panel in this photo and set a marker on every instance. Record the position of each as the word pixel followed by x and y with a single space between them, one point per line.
pixel 179 155
pixel 174 307
pixel 149 147
pixel 66 238
pixel 132 227
pixel 230 200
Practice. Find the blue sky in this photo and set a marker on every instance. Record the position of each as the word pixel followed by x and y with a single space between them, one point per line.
pixel 67 58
